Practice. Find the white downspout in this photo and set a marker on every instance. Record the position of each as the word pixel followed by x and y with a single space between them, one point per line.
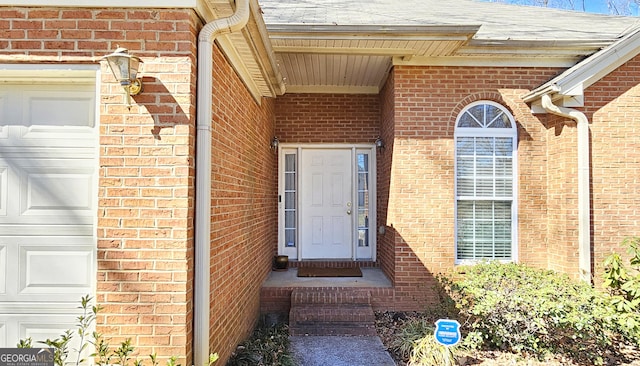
pixel 584 207
pixel 207 36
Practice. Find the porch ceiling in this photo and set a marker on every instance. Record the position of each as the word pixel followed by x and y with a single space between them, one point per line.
pixel 355 59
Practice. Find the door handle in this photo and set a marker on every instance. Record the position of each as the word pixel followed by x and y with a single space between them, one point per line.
pixel 348 208
pixel 349 212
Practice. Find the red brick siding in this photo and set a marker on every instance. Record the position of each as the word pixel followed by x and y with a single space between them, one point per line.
pixel 78 34
pixel 421 198
pixel 562 202
pixel 146 209
pixel 243 207
pixel 613 107
pixel 386 240
pixel 327 118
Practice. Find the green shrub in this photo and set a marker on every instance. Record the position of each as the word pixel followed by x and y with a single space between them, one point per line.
pixel 532 312
pixel 103 353
pixel 622 284
pixel 268 346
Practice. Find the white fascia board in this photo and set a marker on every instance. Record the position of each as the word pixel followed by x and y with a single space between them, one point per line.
pixel 495 60
pixel 332 89
pixel 370 32
pixel 600 64
pixel 573 81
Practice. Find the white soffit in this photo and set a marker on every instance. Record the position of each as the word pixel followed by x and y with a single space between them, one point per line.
pixel 247 52
pixel 355 59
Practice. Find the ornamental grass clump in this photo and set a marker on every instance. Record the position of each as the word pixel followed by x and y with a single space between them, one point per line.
pixel 417 346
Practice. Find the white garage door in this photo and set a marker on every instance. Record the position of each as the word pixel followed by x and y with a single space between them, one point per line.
pixel 48 185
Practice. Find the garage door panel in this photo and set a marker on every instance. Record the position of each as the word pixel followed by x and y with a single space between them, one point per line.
pixel 4 114
pixel 56 271
pixel 49 115
pixel 4 333
pixel 58 108
pixel 54 191
pixel 3 269
pixel 4 189
pixel 47 191
pixel 39 326
pixel 48 269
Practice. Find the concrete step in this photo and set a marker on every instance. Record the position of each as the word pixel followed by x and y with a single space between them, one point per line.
pixel 323 312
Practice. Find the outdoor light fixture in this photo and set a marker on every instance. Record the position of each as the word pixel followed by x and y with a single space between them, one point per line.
pixel 379 143
pixel 125 69
pixel 274 143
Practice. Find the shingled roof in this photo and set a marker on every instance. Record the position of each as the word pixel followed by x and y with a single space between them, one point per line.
pixel 498 21
pixel 349 45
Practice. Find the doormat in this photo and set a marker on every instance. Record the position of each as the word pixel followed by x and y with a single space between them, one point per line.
pixel 329 272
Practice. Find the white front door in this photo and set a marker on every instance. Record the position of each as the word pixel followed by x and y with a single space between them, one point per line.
pixel 326 209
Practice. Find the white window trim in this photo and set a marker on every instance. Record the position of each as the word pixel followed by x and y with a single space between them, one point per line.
pixel 488 132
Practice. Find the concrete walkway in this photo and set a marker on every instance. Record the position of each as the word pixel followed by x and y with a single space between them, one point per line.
pixel 340 351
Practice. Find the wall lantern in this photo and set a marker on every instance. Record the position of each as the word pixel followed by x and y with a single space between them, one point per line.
pixel 379 143
pixel 274 143
pixel 125 69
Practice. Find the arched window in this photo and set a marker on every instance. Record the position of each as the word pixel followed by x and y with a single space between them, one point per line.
pixel 486 145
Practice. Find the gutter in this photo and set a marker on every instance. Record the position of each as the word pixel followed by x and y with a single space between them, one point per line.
pixel 584 196
pixel 202 308
pixel 591 69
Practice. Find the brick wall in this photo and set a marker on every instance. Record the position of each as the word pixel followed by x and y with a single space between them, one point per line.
pixel 244 207
pixel 562 202
pixel 386 240
pixel 612 106
pixel 327 118
pixel 416 115
pixel 146 207
pixel 421 198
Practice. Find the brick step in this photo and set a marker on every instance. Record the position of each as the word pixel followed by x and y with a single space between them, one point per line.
pixel 326 297
pixel 332 329
pixel 331 312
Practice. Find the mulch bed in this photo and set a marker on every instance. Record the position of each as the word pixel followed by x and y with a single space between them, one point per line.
pixel 389 325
